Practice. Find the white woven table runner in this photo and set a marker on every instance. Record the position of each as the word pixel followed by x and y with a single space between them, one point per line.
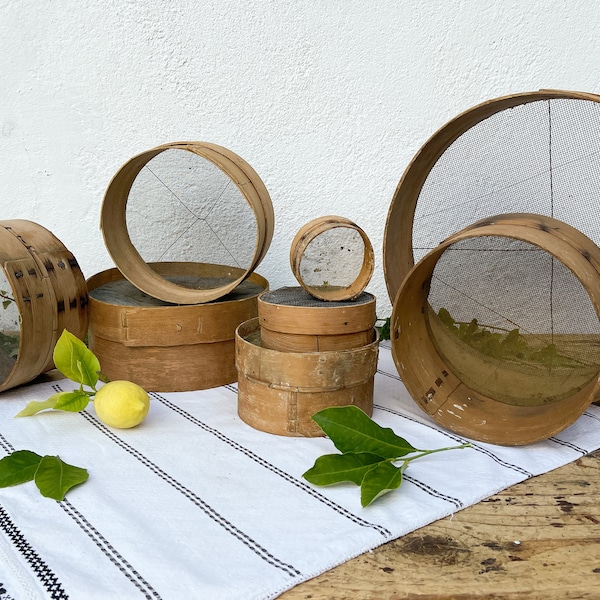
pixel 196 504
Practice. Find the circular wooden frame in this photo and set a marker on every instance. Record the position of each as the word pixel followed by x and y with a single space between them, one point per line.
pixel 49 290
pixel 398 256
pixel 307 234
pixel 127 258
pixel 431 382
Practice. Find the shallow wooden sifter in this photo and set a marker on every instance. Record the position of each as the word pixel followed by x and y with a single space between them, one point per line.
pixel 278 392
pixel 166 347
pixel 292 320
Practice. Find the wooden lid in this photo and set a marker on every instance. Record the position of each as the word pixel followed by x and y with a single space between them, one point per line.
pixel 294 310
pixel 122 313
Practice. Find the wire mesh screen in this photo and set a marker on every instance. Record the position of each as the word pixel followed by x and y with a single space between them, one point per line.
pixel 10 328
pixel 333 259
pixel 183 208
pixel 541 157
pixel 297 296
pixel 512 321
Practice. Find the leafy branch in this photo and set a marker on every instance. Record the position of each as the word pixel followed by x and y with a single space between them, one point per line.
pixel 383 326
pixel 53 477
pixel 78 363
pixel 7 299
pixel 368 453
pixel 503 343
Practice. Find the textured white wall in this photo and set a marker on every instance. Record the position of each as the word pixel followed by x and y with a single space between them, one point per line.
pixel 328 100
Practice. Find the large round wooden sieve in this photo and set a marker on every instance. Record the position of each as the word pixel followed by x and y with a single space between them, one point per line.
pixel 535 152
pixel 503 383
pixel 128 259
pixel 49 291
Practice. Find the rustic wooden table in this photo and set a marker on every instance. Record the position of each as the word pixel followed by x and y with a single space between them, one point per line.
pixel 538 539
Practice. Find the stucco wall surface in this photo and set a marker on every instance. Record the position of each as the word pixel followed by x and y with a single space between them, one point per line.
pixel 328 100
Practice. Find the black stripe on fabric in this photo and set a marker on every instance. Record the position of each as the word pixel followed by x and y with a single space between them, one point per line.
pixel 591 416
pixel 107 549
pixel 4 594
pixel 267 465
pixel 97 538
pixel 208 510
pixel 433 492
pixel 38 566
pixel 5 445
pixel 390 375
pixel 569 445
pixel 461 440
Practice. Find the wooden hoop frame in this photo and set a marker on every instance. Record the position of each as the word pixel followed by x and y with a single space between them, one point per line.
pixel 127 258
pixel 307 234
pixel 398 256
pixel 431 382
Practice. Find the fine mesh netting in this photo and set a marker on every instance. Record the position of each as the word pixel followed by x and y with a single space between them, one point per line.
pixel 123 293
pixel 10 328
pixel 183 208
pixel 297 296
pixel 333 259
pixel 541 157
pixel 512 322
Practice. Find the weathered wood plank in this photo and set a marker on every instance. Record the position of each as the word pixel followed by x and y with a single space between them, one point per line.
pixel 538 539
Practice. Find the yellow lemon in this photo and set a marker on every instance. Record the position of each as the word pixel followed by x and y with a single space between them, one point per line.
pixel 121 404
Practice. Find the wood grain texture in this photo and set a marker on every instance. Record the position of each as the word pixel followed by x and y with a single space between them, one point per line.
pixel 538 539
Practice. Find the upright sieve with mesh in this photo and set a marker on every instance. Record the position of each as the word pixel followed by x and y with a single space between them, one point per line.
pixel 496 331
pixel 534 152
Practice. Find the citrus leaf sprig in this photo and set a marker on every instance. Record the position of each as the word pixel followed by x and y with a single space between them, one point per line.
pixel 368 453
pixel 78 363
pixel 53 477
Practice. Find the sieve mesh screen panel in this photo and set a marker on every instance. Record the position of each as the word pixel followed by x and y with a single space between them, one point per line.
pixel 512 321
pixel 10 328
pixel 182 207
pixel 333 259
pixel 297 296
pixel 540 157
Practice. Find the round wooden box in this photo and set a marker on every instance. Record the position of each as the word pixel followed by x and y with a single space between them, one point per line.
pixel 166 347
pixel 292 320
pixel 49 291
pixel 278 392
pixel 509 384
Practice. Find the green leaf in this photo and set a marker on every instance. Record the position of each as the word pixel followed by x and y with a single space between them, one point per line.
pixel 6 303
pixel 75 360
pixel 35 406
pixel 55 478
pixel 72 401
pixel 335 468
pixel 379 480
pixel 351 430
pixel 18 467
